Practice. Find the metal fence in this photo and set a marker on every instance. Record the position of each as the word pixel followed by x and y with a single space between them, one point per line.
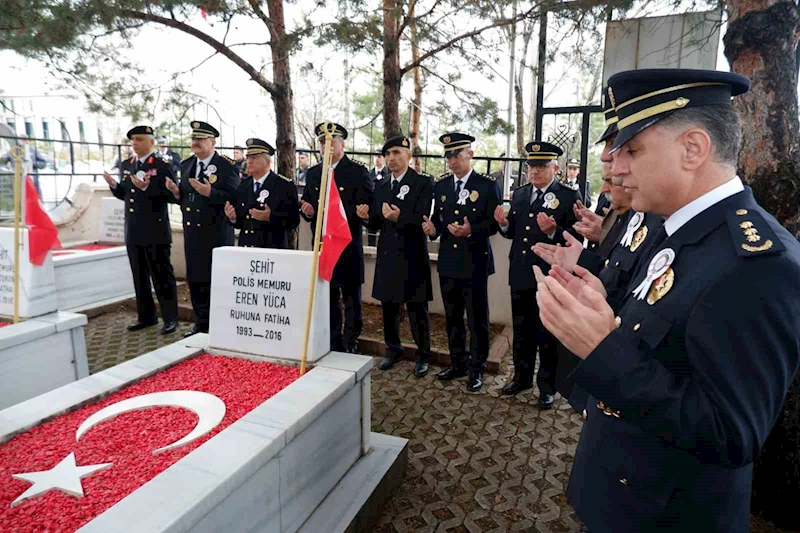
pixel 58 167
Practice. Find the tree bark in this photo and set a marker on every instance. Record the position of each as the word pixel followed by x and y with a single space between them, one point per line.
pixel 416 109
pixel 282 100
pixel 527 32
pixel 761 43
pixel 392 75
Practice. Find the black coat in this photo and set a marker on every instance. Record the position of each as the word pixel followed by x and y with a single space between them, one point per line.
pixel 205 225
pixel 403 270
pixel 280 195
pixel 524 230
pixel 685 391
pixel 355 188
pixel 466 258
pixel 146 216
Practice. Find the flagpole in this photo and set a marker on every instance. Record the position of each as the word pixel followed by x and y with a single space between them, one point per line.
pixel 327 154
pixel 17 154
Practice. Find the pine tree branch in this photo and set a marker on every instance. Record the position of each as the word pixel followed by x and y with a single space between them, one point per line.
pixel 254 74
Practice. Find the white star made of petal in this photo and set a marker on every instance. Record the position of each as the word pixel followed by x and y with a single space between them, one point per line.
pixel 65 476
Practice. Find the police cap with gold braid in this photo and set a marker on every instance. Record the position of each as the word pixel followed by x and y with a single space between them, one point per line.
pixel 541 153
pixel 338 131
pixel 203 130
pixel 257 146
pixel 400 141
pixel 643 97
pixel 140 130
pixel 573 163
pixel 454 142
pixel 609 115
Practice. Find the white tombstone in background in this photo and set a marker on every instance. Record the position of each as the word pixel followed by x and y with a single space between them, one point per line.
pixel 37 289
pixel 112 220
pixel 259 299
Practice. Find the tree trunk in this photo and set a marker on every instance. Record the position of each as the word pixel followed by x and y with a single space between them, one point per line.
pixel 392 75
pixel 416 109
pixel 527 32
pixel 761 43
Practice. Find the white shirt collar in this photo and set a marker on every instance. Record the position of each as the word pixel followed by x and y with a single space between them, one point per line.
pixel 463 180
pixel 261 181
pixel 380 169
pixel 401 176
pixel 142 159
pixel 697 206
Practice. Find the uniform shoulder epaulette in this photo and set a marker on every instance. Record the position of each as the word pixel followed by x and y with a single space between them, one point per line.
pixel 425 175
pixel 570 187
pixel 357 162
pixel 488 177
pixel 444 176
pixel 751 234
pixel 188 158
pixel 281 176
pixel 228 159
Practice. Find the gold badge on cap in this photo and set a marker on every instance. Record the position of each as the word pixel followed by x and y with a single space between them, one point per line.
pixel 638 238
pixel 446 139
pixel 405 142
pixel 212 179
pixel 148 129
pixel 195 125
pixel 249 142
pixel 536 147
pixel 661 286
pixel 611 97
pixel 474 196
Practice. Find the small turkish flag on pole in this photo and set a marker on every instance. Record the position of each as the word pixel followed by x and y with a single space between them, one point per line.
pixel 42 233
pixel 335 232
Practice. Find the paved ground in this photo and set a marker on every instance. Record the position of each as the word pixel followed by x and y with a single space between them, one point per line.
pixel 477 462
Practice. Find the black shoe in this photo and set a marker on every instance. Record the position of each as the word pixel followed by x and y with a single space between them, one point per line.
pixel 546 400
pixel 196 329
pixel 169 327
pixel 451 372
pixel 475 381
pixel 421 369
pixel 136 326
pixel 516 385
pixel 388 361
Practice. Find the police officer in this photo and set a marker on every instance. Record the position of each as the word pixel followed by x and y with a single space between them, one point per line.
pixel 170 156
pixel 464 202
pixel 148 237
pixel 355 188
pixel 239 162
pixel 689 377
pixel 208 181
pixel 402 270
pixel 613 261
pixel 267 207
pixel 540 212
pixel 571 181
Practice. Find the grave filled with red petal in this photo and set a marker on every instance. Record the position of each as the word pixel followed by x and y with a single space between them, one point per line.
pixel 4 324
pixel 127 441
pixel 84 248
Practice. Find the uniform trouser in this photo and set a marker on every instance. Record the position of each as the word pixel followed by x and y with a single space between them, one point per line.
pixel 420 328
pixel 567 361
pixel 475 299
pixel 530 335
pixel 153 261
pixel 346 338
pixel 200 292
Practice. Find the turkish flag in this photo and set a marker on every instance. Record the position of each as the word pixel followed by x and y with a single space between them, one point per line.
pixel 42 233
pixel 335 232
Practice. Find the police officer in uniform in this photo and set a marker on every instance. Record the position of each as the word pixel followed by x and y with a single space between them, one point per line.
pixel 402 270
pixel 208 181
pixel 267 207
pixel 148 237
pixel 464 203
pixel 540 211
pixel 571 181
pixel 688 378
pixel 355 188
pixel 170 156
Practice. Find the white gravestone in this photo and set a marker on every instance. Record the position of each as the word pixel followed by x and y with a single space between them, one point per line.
pixel 112 220
pixel 37 289
pixel 259 299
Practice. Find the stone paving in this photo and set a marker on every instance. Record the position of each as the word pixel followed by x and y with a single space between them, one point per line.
pixel 478 463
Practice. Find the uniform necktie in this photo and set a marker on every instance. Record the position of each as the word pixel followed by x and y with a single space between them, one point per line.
pixel 202 169
pixel 659 237
pixel 395 187
pixel 459 184
pixel 255 186
pixel 536 196
pixel 136 165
